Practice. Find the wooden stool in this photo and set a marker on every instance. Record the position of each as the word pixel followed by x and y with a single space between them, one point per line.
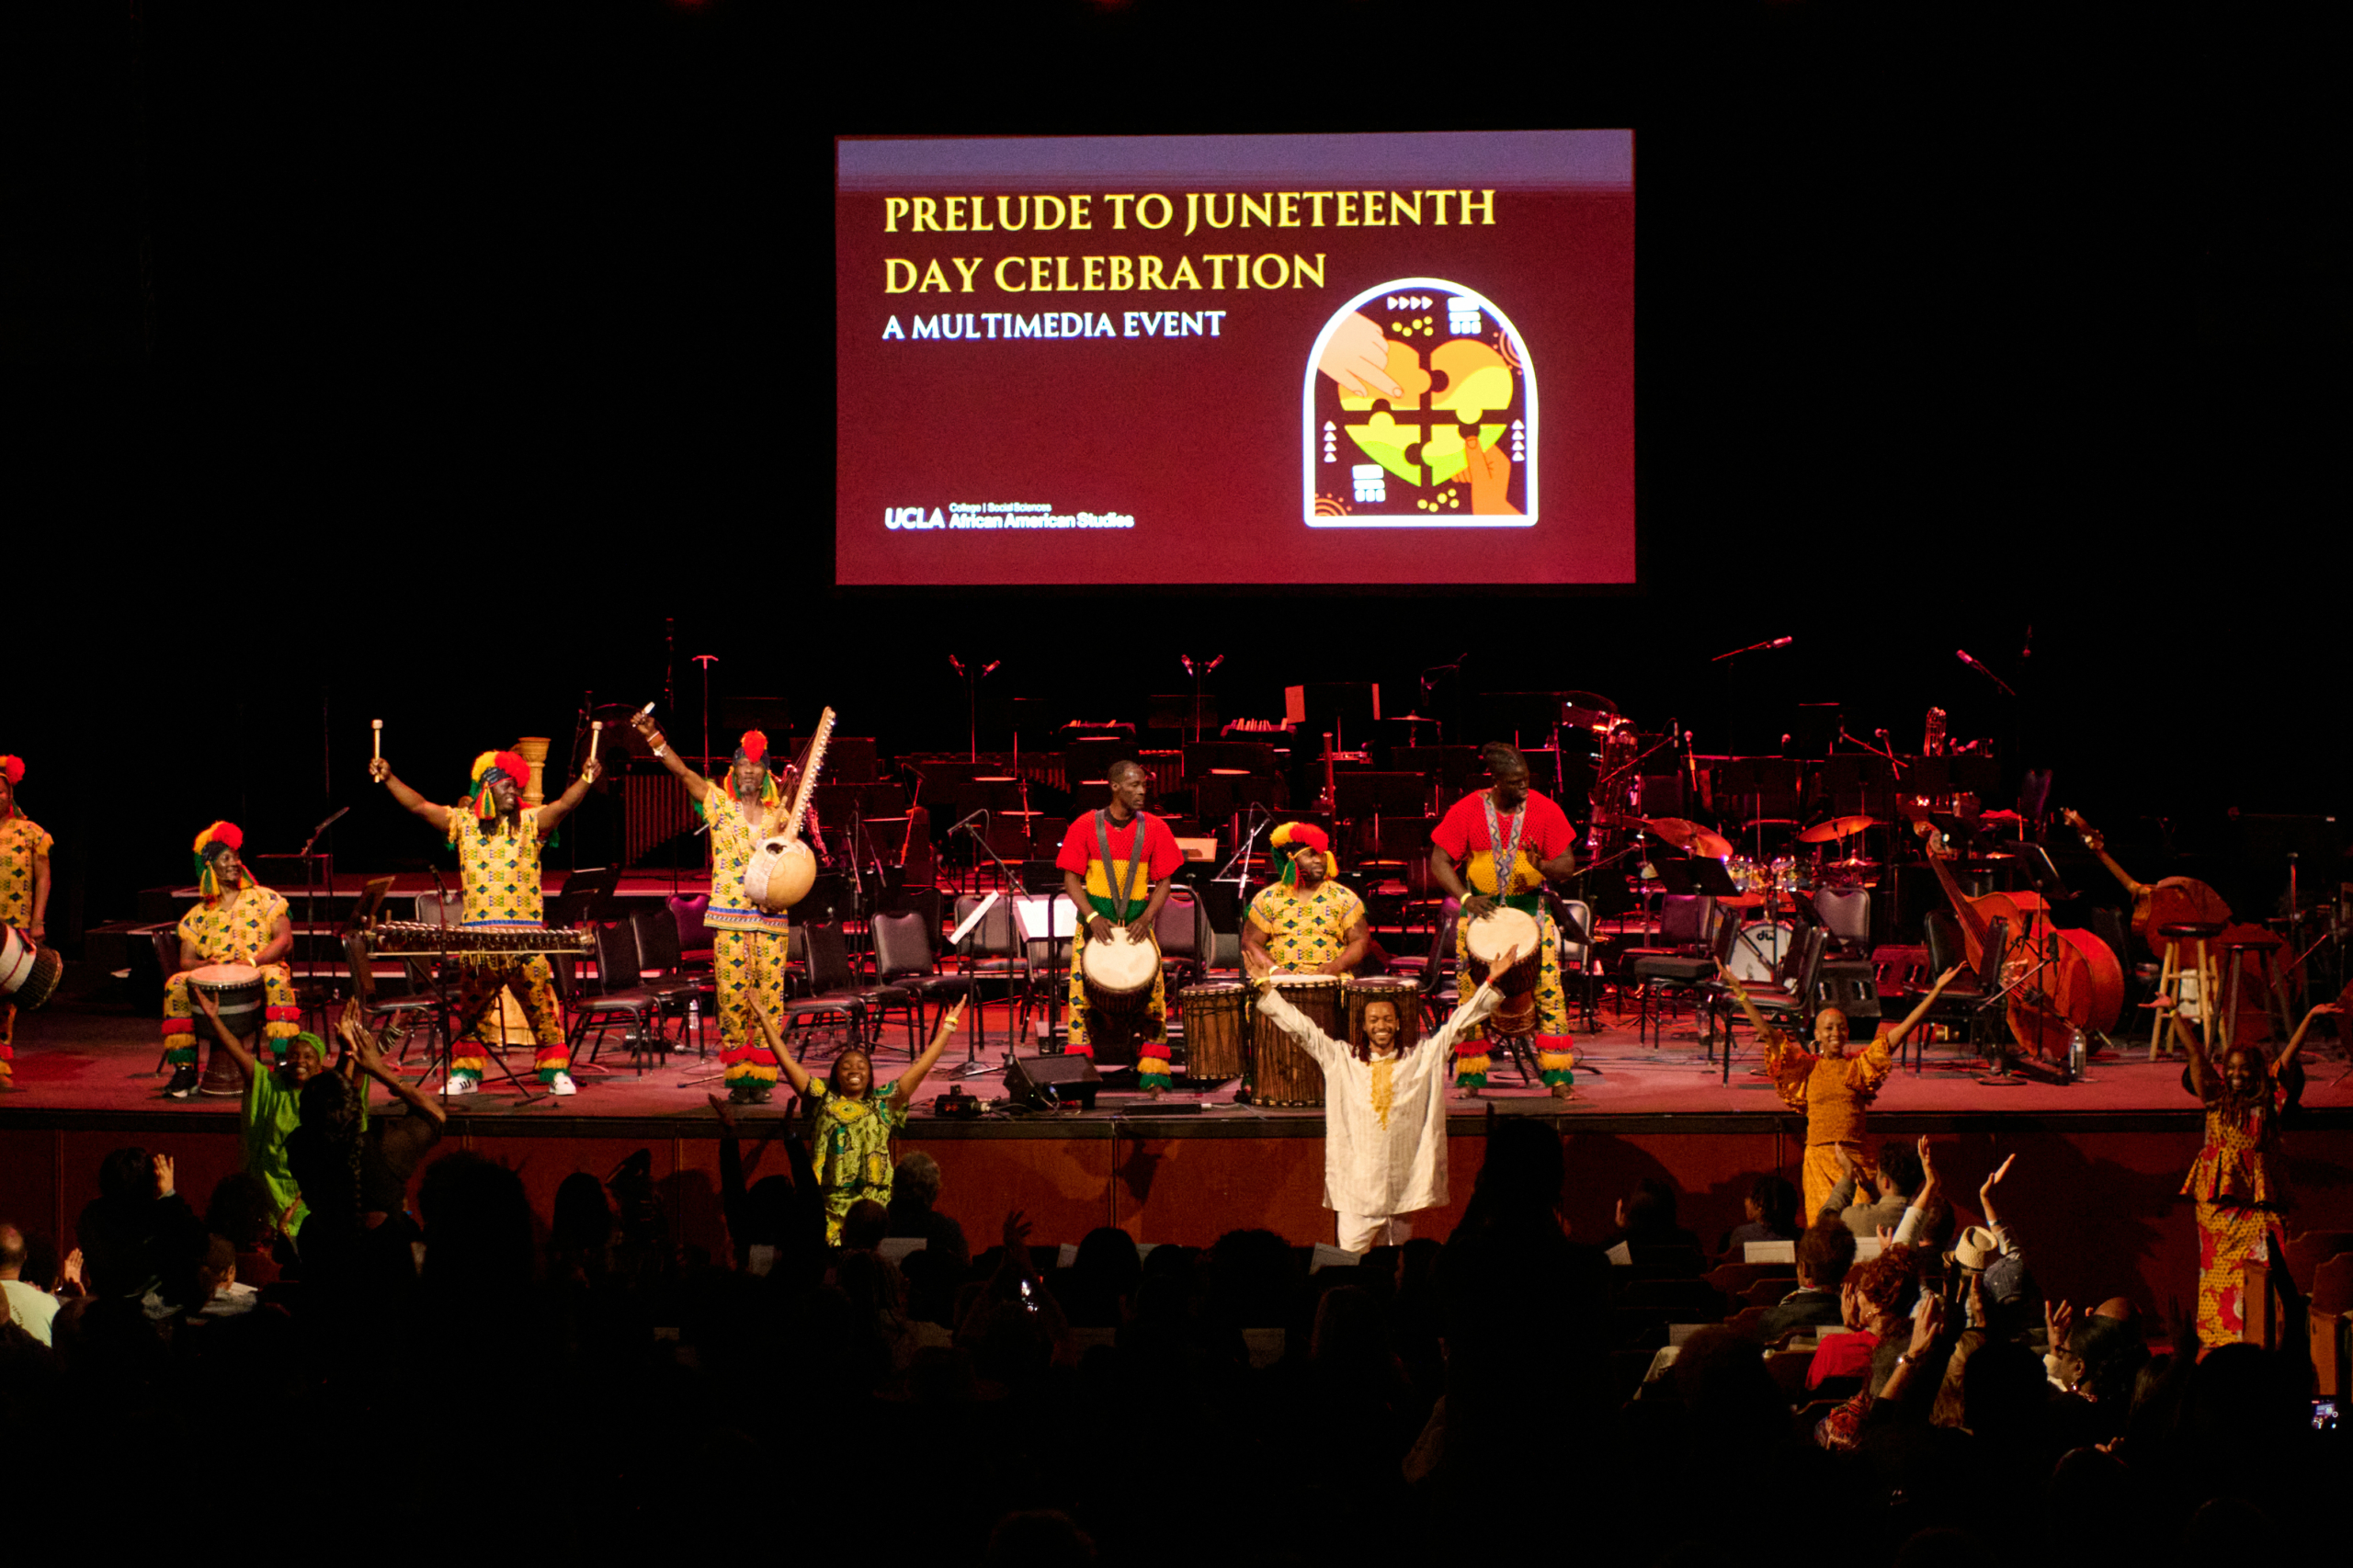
pixel 2241 945
pixel 2169 979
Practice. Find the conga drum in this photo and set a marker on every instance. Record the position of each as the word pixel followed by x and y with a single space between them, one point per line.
pixel 29 971
pixel 1215 1027
pixel 1115 974
pixel 1400 993
pixel 1280 1072
pixel 1486 940
pixel 237 990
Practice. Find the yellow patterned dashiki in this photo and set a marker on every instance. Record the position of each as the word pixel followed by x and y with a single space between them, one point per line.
pixel 733 839
pixel 236 927
pixel 21 843
pixel 231 929
pixel 1304 932
pixel 500 871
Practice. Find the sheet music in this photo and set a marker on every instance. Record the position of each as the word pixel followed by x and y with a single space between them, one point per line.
pixel 1032 911
pixel 964 927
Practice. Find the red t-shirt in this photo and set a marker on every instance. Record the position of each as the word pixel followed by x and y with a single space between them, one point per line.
pixel 1162 856
pixel 1463 834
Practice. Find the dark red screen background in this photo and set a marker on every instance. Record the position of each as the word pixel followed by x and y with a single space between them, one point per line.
pixel 1199 438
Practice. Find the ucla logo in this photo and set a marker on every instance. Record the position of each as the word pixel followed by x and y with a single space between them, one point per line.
pixel 911 518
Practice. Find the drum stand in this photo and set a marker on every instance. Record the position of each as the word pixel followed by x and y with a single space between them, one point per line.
pixel 2004 1057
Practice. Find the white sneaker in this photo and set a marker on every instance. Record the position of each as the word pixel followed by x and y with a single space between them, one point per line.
pixel 464 1084
pixel 562 1084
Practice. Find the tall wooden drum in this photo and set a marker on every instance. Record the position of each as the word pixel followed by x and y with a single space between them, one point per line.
pixel 1216 1026
pixel 1280 1072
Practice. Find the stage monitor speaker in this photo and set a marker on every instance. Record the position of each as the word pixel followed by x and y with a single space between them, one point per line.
pixel 1043 1083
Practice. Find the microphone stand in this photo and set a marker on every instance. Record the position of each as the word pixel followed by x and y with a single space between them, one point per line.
pixel 1013 890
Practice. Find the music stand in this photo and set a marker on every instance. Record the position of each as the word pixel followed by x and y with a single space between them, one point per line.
pixel 1031 912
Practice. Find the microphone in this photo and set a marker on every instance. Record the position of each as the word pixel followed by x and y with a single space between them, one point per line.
pixel 970 820
pixel 1963 654
pixel 1780 642
pixel 441 896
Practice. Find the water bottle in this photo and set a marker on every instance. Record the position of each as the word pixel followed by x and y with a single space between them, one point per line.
pixel 694 1018
pixel 2076 1052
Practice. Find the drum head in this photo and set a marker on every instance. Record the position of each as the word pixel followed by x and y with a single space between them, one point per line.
pixel 224 974
pixel 1217 993
pixel 1122 963
pixel 1499 933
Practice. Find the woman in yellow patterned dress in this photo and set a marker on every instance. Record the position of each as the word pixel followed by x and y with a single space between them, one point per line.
pixel 2240 1180
pixel 748 942
pixel 1829 1088
pixel 24 888
pixel 498 866
pixel 234 921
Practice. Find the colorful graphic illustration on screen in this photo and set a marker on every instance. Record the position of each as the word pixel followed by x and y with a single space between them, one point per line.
pixel 1420 411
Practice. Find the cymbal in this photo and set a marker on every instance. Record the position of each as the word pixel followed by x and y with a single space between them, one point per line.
pixel 1768 822
pixel 1683 834
pixel 1590 710
pixel 2000 816
pixel 1410 718
pixel 1711 846
pixel 1835 828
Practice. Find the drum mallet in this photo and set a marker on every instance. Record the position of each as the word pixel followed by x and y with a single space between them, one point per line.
pixel 378 726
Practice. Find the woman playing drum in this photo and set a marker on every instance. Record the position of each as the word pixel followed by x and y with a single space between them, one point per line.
pixel 1497 849
pixel 236 921
pixel 1384 1109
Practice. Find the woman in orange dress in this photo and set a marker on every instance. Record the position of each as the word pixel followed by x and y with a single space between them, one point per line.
pixel 1830 1089
pixel 2240 1179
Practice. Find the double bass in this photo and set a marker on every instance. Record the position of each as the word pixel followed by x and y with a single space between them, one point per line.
pixel 2081 986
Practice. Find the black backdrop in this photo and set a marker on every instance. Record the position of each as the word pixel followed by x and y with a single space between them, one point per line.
pixel 404 362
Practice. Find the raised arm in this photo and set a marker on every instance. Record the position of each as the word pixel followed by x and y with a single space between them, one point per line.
pixel 698 786
pixel 794 1073
pixel 409 800
pixel 1985 1193
pixel 2190 1046
pixel 1895 1035
pixel 229 1042
pixel 2296 1041
pixel 359 1043
pixel 555 810
pixel 903 1091
pixel 1740 994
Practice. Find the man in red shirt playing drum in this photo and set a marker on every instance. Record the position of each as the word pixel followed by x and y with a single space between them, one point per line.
pixel 1537 847
pixel 1116 864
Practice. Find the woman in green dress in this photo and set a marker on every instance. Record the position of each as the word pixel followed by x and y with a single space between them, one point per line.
pixel 855 1117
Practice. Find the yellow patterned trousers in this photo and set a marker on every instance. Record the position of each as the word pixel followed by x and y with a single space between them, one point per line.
pixel 749 966
pixel 282 1020
pixel 479 976
pixel 1554 1060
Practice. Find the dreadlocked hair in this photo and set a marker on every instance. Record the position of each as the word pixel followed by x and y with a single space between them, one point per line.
pixel 1502 758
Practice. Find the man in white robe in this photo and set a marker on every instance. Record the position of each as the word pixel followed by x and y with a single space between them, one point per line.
pixel 1385 1110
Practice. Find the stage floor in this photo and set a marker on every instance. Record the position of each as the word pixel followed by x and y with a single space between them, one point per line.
pixel 89 1060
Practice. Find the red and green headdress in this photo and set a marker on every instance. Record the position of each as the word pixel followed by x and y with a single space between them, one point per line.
pixel 485 804
pixel 209 845
pixel 1293 836
pixel 13 770
pixel 754 748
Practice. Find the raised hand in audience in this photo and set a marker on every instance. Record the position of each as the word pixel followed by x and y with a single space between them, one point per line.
pixel 1985 1193
pixel 2058 1319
